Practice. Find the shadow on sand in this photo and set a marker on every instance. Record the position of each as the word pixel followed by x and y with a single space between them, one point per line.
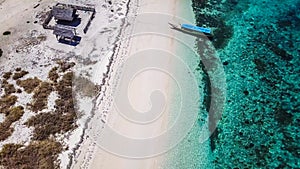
pixel 73 42
pixel 75 23
pixel 202 35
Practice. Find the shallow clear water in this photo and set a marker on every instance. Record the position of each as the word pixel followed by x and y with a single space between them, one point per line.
pixel 259 45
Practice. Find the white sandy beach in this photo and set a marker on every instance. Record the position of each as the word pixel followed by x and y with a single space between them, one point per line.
pixel 144 83
pixel 106 46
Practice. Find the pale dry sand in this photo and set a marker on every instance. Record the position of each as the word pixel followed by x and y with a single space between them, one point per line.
pixel 22 49
pixel 92 155
pixel 107 40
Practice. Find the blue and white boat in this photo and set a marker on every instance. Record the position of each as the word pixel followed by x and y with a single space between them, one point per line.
pixel 195 28
pixel 192 29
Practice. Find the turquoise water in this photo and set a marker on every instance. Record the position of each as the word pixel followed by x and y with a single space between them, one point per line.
pixel 259 45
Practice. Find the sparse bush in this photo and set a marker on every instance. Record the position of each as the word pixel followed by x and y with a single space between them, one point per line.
pixel 29 84
pixel 37 155
pixel 7 75
pixel 47 124
pixel 64 86
pixel 12 115
pixel 15 114
pixel 4 82
pixel 85 87
pixel 42 152
pixel 63 119
pixel 40 97
pixel 9 89
pixel 20 74
pixel 18 69
pixel 10 148
pixel 64 66
pixel 42 38
pixel 53 75
pixel 6 102
pixel 19 91
pixel 5 131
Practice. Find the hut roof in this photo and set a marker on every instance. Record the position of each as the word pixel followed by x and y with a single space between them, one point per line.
pixel 63 13
pixel 64 31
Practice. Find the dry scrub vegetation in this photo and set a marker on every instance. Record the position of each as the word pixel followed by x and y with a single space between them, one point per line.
pixel 19 75
pixel 63 119
pixel 43 150
pixel 9 88
pixel 6 102
pixel 37 155
pixel 53 75
pixel 40 97
pixel 29 84
pixel 85 87
pixel 14 114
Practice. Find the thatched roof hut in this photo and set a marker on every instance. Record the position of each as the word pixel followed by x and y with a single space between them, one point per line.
pixel 63 13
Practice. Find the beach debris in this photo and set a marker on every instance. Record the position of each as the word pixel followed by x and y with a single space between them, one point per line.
pixel 6 33
pixel 104 116
pixel 35 6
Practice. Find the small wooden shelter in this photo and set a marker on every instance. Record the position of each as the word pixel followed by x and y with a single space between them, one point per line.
pixel 64 32
pixel 64 13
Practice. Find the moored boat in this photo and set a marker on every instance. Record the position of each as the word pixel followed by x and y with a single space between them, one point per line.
pixel 192 29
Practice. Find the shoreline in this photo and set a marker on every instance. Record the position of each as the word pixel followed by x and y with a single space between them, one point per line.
pixel 106 159
pixel 99 58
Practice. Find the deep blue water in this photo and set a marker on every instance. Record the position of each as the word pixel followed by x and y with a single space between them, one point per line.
pixel 259 45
